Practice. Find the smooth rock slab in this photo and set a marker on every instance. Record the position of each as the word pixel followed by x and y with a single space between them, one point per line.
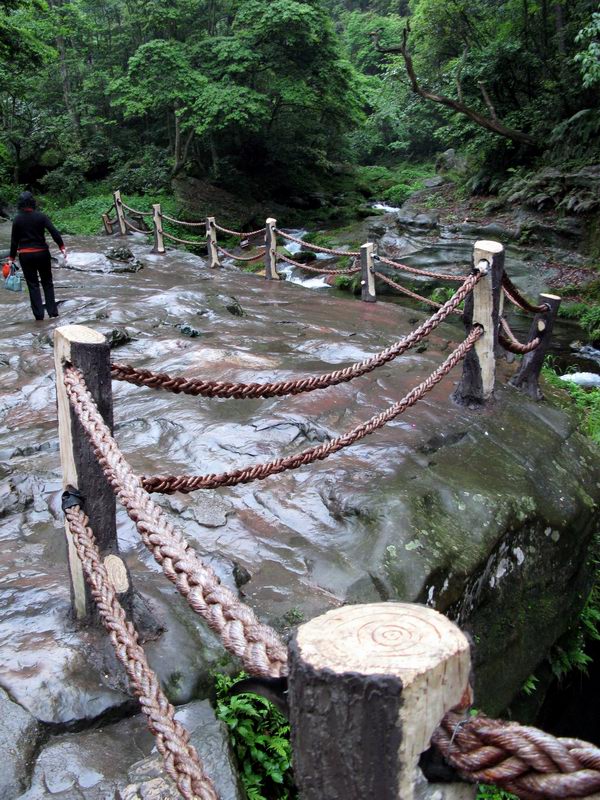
pixel 19 736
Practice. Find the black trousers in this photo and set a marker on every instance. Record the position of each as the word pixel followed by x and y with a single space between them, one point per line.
pixel 36 267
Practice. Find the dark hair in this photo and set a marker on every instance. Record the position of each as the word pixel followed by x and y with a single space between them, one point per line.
pixel 26 200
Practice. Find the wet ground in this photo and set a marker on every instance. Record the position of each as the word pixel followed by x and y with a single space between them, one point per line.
pixel 413 511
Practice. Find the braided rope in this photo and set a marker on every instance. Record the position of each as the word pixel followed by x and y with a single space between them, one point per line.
pixel 133 228
pixel 517 299
pixel 241 234
pixel 136 212
pixel 405 268
pixel 510 342
pixel 526 761
pixel 300 265
pixel 182 241
pixel 257 645
pixel 257 472
pixel 241 258
pixel 316 247
pixel 180 757
pixel 183 222
pixel 198 387
pixel 412 294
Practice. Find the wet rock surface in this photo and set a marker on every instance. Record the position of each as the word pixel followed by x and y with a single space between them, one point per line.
pixel 469 512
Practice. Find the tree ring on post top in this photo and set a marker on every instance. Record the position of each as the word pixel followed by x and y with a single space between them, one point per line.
pixel 380 638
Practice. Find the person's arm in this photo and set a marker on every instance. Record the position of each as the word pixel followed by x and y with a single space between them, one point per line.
pixel 54 234
pixel 14 240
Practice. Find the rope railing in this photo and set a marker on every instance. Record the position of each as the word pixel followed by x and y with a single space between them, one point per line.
pixel 132 227
pixel 300 265
pixel 169 484
pixel 228 254
pixel 413 271
pixel 183 222
pixel 136 211
pixel 315 247
pixel 239 391
pixel 172 238
pixel 409 293
pixel 517 299
pixel 172 740
pixel 240 234
pixel 257 645
pixel 510 342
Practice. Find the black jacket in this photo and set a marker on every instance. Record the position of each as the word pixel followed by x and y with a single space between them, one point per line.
pixel 28 232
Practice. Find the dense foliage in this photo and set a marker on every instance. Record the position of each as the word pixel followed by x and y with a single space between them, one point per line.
pixel 270 97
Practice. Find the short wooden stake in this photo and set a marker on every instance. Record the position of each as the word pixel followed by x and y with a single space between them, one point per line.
pixel 482 306
pixel 368 686
pixel 120 213
pixel 367 279
pixel 159 242
pixel 211 240
pixel 528 376
pixel 108 228
pixel 89 351
pixel 271 273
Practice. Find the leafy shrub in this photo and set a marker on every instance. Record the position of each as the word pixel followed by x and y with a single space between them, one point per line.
pixel 260 738
pixel 150 172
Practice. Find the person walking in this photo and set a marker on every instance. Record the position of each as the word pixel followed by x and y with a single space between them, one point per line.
pixel 28 241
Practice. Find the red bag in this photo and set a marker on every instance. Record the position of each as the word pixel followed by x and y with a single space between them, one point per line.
pixel 6 269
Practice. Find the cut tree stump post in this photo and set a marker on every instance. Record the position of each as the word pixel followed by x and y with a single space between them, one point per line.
pixel 367 279
pixel 211 240
pixel 528 377
pixel 159 242
pixel 271 273
pixel 368 686
pixel 89 351
pixel 108 228
pixel 120 213
pixel 482 306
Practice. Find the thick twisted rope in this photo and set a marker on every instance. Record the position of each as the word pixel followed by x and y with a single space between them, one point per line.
pixel 183 241
pixel 133 228
pixel 424 272
pixel 240 234
pixel 257 645
pixel 180 757
pixel 510 342
pixel 350 271
pixel 257 472
pixel 517 299
pixel 239 391
pixel 227 254
pixel 317 248
pixel 183 222
pixel 526 761
pixel 421 298
pixel 135 211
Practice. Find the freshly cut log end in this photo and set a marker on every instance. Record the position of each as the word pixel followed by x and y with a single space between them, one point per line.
pixel 368 686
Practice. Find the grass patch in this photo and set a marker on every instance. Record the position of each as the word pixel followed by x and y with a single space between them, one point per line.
pixel 585 401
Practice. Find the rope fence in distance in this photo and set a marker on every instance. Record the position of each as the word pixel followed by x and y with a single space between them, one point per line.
pixel 422 272
pixel 240 234
pixel 227 254
pixel 183 241
pixel 180 757
pixel 257 645
pixel 183 222
pixel 135 211
pixel 317 248
pixel 133 228
pixel 239 391
pixel 300 265
pixel 191 483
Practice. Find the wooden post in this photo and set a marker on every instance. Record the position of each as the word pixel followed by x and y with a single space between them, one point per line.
pixel 271 273
pixel 120 213
pixel 367 279
pixel 482 306
pixel 159 242
pixel 211 240
pixel 108 228
pixel 89 352
pixel 528 376
pixel 368 686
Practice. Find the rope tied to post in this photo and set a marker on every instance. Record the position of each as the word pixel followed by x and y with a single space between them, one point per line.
pixel 197 243
pixel 133 228
pixel 172 740
pixel 240 234
pixel 198 387
pixel 510 342
pixel 517 299
pixel 191 483
pixel 135 211
pixel 183 222
pixel 256 644
pixel 227 254
pixel 350 271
